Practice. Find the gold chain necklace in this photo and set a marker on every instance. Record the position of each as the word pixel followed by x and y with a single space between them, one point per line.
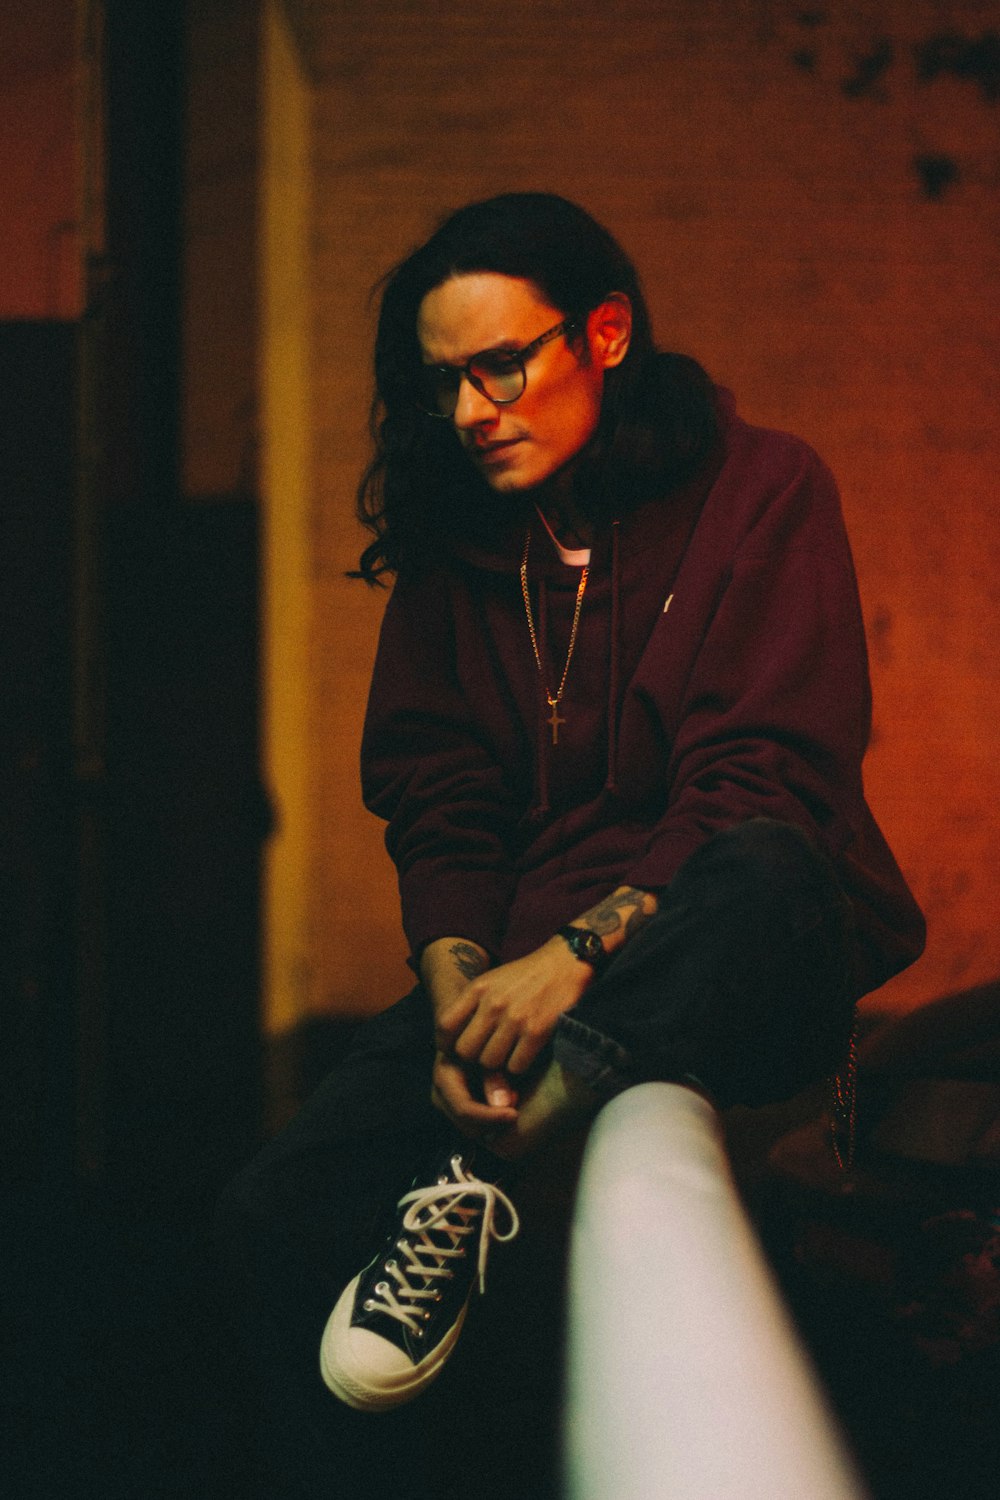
pixel 553 699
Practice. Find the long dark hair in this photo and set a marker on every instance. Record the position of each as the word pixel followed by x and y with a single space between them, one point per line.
pixel 420 492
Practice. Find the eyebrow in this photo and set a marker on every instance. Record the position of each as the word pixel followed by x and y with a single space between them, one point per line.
pixel 506 346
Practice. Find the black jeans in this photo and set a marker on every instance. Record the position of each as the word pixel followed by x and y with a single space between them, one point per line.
pixel 740 982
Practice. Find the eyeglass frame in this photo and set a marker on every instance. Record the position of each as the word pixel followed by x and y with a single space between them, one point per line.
pixel 518 356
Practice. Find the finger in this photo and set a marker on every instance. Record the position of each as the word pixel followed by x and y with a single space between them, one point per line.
pixel 452 1086
pixel 493 1044
pixel 479 1121
pixel 453 1020
pixel 494 1034
pixel 493 1055
pixel 475 1129
pixel 497 1090
pixel 526 1051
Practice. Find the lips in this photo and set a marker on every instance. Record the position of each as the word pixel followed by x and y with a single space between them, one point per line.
pixel 487 452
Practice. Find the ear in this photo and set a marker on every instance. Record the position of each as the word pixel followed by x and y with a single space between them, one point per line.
pixel 609 329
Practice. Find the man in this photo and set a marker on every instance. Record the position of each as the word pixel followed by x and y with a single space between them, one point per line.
pixel 615 728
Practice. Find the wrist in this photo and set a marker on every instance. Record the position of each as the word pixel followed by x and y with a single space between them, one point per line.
pixel 585 945
pixel 448 965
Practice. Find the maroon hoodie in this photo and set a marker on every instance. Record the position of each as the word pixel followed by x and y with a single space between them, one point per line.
pixel 719 674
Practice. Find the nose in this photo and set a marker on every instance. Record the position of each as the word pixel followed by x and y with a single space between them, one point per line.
pixel 472 408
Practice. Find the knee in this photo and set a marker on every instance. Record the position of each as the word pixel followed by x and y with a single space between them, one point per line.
pixel 770 847
pixel 775 903
pixel 769 859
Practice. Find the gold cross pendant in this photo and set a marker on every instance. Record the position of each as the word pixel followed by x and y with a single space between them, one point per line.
pixel 555 721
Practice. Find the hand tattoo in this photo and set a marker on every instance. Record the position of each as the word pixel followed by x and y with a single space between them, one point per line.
pixel 468 960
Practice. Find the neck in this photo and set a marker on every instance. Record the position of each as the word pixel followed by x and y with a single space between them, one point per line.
pixel 557 502
pixel 570 530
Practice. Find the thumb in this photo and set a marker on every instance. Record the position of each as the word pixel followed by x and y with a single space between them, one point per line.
pixel 497 1090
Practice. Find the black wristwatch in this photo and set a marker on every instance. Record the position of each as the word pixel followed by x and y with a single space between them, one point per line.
pixel 586 946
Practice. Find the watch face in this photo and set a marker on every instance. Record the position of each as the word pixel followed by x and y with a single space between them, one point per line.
pixel 591 947
pixel 585 944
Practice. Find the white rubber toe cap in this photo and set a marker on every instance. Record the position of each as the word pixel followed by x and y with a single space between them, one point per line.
pixel 369 1372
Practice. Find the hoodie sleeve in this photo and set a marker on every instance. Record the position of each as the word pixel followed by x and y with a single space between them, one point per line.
pixel 775 714
pixel 427 770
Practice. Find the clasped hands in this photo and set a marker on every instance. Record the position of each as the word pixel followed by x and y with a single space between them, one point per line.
pixel 491 1031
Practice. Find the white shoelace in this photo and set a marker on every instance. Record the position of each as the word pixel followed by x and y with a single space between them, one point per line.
pixel 442 1208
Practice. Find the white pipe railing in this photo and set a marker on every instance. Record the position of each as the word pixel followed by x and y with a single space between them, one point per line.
pixel 686 1380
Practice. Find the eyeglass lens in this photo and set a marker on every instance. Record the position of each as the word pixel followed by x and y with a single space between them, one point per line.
pixel 499 377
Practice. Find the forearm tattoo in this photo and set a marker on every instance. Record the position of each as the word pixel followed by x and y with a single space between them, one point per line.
pixel 606 916
pixel 468 960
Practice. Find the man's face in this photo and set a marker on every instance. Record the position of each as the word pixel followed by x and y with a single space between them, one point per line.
pixel 521 445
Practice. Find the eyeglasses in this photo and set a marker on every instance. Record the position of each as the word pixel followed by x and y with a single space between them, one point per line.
pixel 498 374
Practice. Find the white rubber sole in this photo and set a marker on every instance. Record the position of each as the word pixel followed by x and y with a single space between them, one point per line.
pixel 368 1372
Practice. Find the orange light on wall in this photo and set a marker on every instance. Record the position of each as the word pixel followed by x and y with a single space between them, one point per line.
pixel 41 273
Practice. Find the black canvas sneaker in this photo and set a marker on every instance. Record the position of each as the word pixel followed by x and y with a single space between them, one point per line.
pixel 395 1325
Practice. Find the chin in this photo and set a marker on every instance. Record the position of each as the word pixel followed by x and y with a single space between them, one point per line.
pixel 509 483
pixel 520 480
